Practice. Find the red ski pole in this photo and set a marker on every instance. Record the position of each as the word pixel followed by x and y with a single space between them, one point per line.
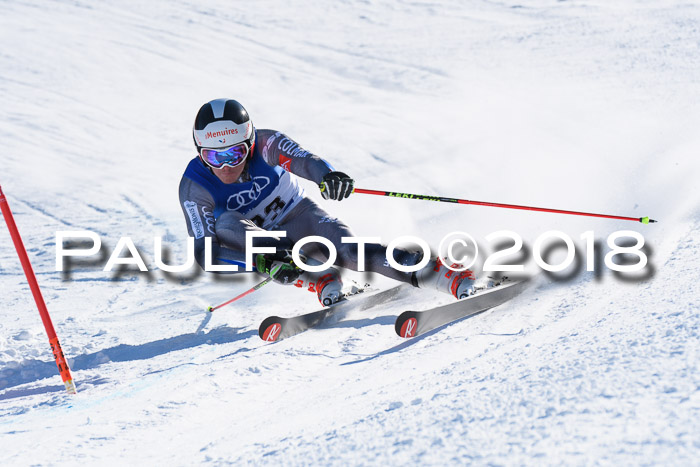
pixel 249 291
pixel 643 220
pixel 34 286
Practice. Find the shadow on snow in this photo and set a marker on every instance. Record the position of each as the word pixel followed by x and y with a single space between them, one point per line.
pixel 33 370
pixel 410 341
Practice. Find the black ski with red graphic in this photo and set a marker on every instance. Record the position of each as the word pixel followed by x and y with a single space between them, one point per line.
pixel 275 328
pixel 415 323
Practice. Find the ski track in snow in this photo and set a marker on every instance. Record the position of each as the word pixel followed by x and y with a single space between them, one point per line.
pixel 581 105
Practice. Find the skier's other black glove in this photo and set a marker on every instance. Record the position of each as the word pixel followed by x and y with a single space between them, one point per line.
pixel 279 266
pixel 336 185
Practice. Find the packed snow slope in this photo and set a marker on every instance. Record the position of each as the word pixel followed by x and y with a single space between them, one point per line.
pixel 584 105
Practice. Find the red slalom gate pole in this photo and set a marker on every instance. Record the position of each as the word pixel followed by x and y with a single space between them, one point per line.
pixel 643 220
pixel 34 286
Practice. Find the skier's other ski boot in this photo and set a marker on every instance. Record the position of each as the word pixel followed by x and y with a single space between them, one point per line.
pixel 459 284
pixel 329 288
pixel 281 268
pixel 326 284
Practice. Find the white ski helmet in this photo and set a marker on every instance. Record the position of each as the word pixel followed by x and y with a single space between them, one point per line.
pixel 222 123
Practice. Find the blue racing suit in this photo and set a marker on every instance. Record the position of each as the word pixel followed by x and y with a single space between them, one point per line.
pixel 267 196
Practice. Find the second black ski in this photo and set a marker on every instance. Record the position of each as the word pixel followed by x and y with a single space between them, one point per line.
pixel 415 323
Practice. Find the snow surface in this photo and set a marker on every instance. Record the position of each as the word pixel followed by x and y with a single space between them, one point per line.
pixel 585 105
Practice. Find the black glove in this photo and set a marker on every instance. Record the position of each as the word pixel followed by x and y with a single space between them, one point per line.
pixel 336 185
pixel 279 266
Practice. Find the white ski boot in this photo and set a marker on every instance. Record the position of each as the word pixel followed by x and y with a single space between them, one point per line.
pixel 459 284
pixel 326 284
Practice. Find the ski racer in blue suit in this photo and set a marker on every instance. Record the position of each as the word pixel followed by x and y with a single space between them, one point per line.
pixel 245 179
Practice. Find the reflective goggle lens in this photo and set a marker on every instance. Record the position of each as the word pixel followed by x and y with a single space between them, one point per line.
pixel 231 156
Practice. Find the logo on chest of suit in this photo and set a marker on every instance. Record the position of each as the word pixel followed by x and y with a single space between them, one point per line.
pixel 245 197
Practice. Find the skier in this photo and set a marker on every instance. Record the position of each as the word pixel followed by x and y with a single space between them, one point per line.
pixel 244 179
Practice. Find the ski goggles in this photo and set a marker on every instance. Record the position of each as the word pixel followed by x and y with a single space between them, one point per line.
pixel 233 156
